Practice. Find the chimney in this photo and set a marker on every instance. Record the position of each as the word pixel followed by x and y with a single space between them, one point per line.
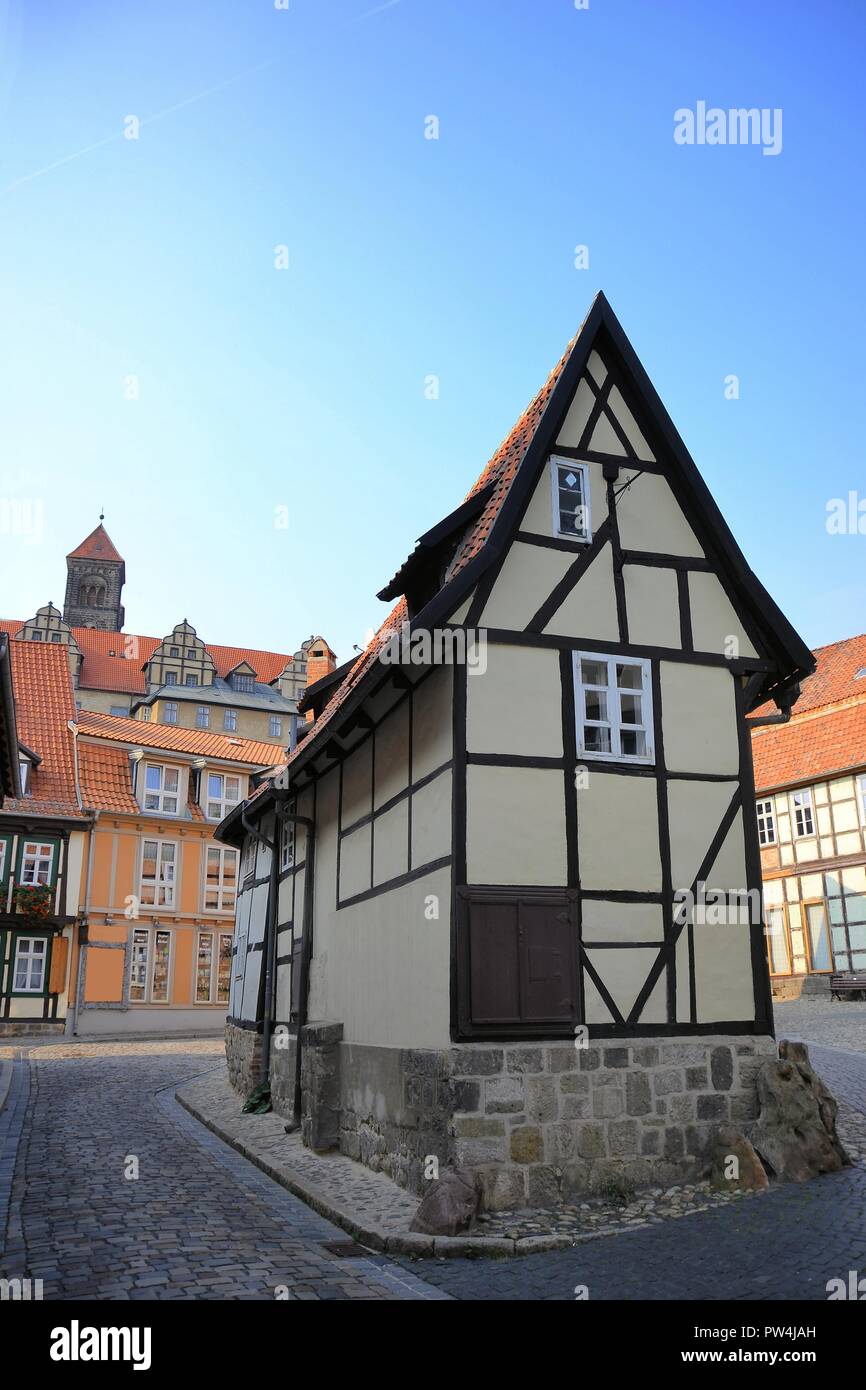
pixel 320 662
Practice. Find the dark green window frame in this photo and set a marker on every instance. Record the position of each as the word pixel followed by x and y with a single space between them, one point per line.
pixel 16 933
pixel 8 839
pixel 52 840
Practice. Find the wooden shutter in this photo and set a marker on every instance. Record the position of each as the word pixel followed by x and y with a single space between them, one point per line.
pixel 57 971
pixel 517 962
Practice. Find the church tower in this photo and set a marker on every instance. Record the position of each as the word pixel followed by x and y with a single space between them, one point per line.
pixel 95 575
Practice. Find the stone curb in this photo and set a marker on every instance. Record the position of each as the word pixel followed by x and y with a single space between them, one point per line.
pixel 410 1243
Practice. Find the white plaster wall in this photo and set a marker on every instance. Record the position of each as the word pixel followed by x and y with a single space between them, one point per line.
pixel 714 621
pixel 650 518
pixel 516 705
pixel 515 831
pixel 618 838
pixel 699 718
pixel 652 606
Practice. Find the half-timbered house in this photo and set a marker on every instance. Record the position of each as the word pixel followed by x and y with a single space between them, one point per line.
pixel 507 890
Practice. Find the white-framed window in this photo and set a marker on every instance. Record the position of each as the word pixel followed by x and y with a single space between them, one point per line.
pixel 243 682
pixel 766 822
pixel 248 862
pixel 801 814
pixel 223 793
pixel 37 861
pixel 192 680
pixel 161 788
pixel 213 967
pixel 138 965
pixel 169 711
pixel 613 707
pixel 287 844
pixel 31 953
pixel 24 770
pixel 144 713
pixel 221 879
pixel 202 717
pixel 275 726
pixel 569 485
pixel 230 720
pixel 158 864
pixel 171 677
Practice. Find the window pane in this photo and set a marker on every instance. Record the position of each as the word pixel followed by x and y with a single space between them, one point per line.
pixel 225 969
pixel 629 677
pixel 855 908
pixel 596 739
pixel 159 984
pixel 171 777
pixel 634 743
pixel 593 672
pixel 152 779
pixel 596 705
pixel 630 709
pixel 776 939
pixel 818 937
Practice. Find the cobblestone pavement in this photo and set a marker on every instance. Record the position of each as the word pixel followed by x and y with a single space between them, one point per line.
pixel 199 1221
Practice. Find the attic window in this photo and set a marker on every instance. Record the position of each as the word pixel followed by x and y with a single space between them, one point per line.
pixel 569 482
pixel 241 682
pixel 859 675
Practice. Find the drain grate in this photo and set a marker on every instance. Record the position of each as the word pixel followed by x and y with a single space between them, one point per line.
pixel 344 1249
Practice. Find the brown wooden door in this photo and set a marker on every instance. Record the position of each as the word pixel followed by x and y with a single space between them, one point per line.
pixel 517 962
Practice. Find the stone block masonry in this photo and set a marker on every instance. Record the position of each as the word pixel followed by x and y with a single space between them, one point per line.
pixel 540 1122
pixel 546 1122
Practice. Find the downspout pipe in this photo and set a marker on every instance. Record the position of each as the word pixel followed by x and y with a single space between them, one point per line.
pixel 764 719
pixel 271 942
pixel 270 935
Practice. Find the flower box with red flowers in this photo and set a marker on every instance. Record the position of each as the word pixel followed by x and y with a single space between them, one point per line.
pixel 33 901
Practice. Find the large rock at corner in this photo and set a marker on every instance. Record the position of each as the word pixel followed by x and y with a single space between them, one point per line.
pixel 450 1206
pixel 795 1133
pixel 746 1174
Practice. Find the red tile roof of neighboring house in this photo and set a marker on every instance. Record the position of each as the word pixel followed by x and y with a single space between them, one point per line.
pixel 114 660
pixel 821 744
pixel 44 705
pixel 97 546
pixel 176 739
pixel 105 778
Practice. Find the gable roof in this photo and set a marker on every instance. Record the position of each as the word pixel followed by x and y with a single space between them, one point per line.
pixel 97 546
pixel 44 707
pixel 507 480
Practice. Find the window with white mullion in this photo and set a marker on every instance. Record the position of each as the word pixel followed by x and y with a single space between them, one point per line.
pixel 223 794
pixel 158 859
pixel 801 812
pixel 37 860
pixel 613 707
pixel 161 788
pixel 766 822
pixel 29 966
pixel 569 482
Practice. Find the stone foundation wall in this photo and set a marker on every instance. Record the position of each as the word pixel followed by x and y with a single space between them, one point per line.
pixel 243 1057
pixel 539 1122
pixel 542 1123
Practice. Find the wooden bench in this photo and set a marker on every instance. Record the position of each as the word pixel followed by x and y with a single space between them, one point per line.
pixel 852 985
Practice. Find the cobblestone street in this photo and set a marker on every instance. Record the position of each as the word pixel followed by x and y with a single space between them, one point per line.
pixel 200 1221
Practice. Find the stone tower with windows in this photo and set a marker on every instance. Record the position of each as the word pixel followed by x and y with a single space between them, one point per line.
pixel 95 575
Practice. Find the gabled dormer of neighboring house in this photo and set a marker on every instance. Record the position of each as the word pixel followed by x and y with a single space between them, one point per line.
pixel 47 625
pixel 181 659
pixel 530 805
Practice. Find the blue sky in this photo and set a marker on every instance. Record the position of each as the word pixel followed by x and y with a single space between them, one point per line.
pixel 304 388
